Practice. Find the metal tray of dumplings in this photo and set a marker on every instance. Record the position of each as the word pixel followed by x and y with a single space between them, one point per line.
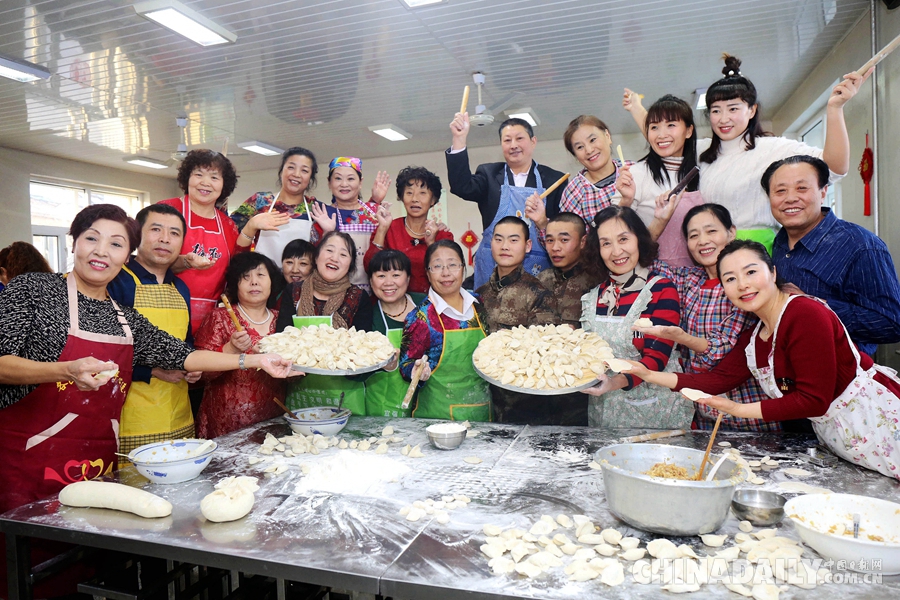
pixel 534 391
pixel 342 372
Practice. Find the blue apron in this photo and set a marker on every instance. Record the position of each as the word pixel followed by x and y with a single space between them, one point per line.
pixel 512 202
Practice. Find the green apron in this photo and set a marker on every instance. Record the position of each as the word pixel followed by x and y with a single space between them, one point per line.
pixel 324 390
pixel 456 392
pixel 385 389
pixel 646 406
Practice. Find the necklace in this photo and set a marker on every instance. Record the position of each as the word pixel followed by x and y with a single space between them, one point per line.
pixel 405 304
pixel 410 230
pixel 246 316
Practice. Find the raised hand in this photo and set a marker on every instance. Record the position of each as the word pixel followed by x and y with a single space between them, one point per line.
pixel 847 88
pixel 459 129
pixel 625 185
pixel 321 217
pixel 536 211
pixel 381 186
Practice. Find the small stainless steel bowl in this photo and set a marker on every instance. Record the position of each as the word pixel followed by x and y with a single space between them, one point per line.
pixel 446 441
pixel 758 507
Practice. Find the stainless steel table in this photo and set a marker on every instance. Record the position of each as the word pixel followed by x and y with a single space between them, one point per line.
pixel 358 541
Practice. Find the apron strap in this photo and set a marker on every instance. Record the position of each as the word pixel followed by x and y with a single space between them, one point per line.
pixel 72 292
pixel 275 199
pixel 538 183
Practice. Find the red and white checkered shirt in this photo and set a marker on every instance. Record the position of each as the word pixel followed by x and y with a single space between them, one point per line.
pixel 707 313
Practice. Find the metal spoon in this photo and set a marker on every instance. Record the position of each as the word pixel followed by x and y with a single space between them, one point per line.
pixel 856 519
pixel 341 402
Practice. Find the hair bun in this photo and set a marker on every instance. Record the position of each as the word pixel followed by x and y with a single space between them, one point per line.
pixel 732 65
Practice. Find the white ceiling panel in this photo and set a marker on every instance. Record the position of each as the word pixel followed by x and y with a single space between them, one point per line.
pixel 318 73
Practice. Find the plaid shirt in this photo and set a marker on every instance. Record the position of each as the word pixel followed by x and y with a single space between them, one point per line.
pixel 584 198
pixel 707 313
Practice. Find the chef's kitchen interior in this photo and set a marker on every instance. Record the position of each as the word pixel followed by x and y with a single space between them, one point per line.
pixel 449 299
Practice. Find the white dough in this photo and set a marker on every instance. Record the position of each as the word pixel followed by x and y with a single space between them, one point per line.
pixel 612 536
pixel 617 365
pixel 745 526
pixel 231 501
pixel 731 553
pixel 693 394
pixel 605 550
pixel 641 571
pixel 489 550
pixel 363 446
pixel 643 322
pixel 102 494
pixel 381 449
pixel 502 565
pixel 564 521
pixel 663 548
pixel 796 472
pixel 561 539
pixel 595 465
pixel 472 460
pixel 682 588
pixel 613 575
pixel 570 549
pixel 633 554
pixel 686 551
pixel 724 444
pixel 493 530
pixel 405 511
pixel 416 452
pixel 541 528
pixel 387 431
pixel 713 541
pixel 441 517
pixel 757 480
pixel 343 445
pixel 593 539
pixel 528 569
pixel 253 460
pixel 629 543
pixel 405 451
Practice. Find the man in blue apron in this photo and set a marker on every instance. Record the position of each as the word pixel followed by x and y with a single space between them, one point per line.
pixel 501 189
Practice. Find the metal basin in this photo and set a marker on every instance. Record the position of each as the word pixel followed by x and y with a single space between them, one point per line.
pixel 667 506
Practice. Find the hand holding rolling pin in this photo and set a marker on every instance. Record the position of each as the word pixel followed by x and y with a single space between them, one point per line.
pixel 847 88
pixel 459 129
pixel 536 211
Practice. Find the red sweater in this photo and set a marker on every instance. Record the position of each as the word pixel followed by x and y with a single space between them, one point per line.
pixel 813 358
pixel 397 238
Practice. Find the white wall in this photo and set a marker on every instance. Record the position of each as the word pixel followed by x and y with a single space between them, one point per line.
pixel 458 214
pixel 17 168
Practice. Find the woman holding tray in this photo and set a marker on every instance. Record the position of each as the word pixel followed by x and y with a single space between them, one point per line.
pixel 630 290
pixel 327 297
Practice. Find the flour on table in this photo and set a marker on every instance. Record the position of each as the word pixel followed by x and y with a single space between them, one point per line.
pixel 351 473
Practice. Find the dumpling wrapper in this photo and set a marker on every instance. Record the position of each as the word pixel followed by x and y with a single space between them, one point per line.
pixel 643 322
pixel 618 365
pixel 694 395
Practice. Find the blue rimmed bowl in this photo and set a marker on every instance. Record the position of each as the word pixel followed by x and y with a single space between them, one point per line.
pixel 324 420
pixel 172 461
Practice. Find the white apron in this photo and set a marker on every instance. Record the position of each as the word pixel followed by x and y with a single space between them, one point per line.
pixel 272 243
pixel 861 425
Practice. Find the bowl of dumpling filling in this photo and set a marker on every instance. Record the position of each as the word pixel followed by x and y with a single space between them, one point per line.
pixel 654 487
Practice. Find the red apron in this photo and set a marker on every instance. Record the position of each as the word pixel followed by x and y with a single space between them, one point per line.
pixel 206 285
pixel 58 434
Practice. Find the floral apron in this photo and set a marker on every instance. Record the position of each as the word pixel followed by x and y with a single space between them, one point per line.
pixel 272 243
pixel 646 406
pixel 861 424
pixel 58 434
pixel 512 202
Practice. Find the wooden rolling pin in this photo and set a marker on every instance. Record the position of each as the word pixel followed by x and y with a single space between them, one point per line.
pixel 284 408
pixel 709 446
pixel 558 183
pixel 880 56
pixel 653 436
pixel 234 319
pixel 416 374
pixel 465 101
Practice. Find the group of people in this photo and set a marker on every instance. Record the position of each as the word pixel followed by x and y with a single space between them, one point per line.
pixel 103 359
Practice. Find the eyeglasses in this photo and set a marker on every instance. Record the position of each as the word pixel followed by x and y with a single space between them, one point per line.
pixel 452 267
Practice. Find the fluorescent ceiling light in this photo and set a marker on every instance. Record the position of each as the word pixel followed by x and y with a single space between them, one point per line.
pixel 700 94
pixel 419 3
pixel 526 114
pixel 145 161
pixel 173 15
pixel 261 148
pixel 22 70
pixel 390 132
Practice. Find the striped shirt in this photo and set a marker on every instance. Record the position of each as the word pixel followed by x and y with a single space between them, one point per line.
pixel 851 269
pixel 663 309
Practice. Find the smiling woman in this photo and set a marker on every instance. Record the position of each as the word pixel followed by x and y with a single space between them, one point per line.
pixel 67 352
pixel 207 179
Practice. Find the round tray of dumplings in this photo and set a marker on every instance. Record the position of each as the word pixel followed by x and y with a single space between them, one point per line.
pixel 543 360
pixel 324 350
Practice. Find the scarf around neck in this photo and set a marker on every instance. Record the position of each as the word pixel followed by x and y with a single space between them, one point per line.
pixel 334 290
pixel 632 281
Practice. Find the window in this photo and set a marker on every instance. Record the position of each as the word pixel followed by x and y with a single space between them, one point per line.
pixel 54 205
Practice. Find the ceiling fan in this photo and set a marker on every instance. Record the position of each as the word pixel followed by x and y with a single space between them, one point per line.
pixel 483 115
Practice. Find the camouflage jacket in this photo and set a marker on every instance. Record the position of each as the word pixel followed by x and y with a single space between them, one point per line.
pixel 517 299
pixel 567 288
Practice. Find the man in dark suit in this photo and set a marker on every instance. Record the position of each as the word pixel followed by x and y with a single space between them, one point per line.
pixel 504 188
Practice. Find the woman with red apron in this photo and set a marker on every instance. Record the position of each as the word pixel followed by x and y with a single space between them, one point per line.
pixel 207 178
pixel 271 221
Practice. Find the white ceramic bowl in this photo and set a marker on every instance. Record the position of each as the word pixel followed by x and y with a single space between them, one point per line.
pixel 171 461
pixel 820 517
pixel 446 436
pixel 324 420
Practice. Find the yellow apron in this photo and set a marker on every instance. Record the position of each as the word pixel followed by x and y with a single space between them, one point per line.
pixel 158 409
